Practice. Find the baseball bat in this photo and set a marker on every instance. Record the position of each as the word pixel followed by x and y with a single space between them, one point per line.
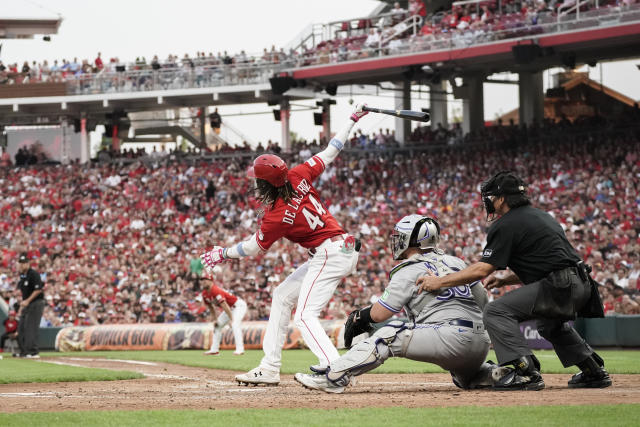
pixel 403 114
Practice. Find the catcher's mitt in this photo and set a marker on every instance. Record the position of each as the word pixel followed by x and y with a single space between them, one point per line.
pixel 358 322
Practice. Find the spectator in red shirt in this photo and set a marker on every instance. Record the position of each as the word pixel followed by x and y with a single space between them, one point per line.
pixel 98 62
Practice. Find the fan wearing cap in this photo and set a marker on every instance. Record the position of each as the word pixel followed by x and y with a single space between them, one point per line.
pixel 294 210
pixel 31 308
pixel 10 329
pixel 234 309
pixel 557 287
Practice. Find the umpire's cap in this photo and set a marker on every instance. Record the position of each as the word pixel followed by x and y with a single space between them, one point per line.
pixel 23 258
pixel 502 184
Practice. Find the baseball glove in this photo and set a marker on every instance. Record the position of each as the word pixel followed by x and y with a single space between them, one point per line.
pixel 358 322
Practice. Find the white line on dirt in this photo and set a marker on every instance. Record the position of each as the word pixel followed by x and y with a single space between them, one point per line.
pixel 49 394
pixel 133 362
pixel 62 363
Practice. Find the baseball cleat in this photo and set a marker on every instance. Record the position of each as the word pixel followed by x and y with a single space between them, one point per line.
pixel 259 376
pixel 238 353
pixel 211 353
pixel 598 379
pixel 500 371
pixel 320 382
pixel 514 381
pixel 318 369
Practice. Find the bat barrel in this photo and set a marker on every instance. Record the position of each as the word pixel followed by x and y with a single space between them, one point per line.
pixel 404 114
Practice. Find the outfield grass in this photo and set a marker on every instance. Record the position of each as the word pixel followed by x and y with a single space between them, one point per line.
pixel 527 416
pixel 32 371
pixel 617 361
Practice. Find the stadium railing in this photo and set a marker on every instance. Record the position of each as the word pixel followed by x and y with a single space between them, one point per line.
pixel 257 71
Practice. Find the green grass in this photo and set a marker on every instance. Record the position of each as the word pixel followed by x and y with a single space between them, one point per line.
pixel 617 361
pixel 525 416
pixel 32 371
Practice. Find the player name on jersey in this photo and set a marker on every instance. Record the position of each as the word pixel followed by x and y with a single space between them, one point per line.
pixel 302 190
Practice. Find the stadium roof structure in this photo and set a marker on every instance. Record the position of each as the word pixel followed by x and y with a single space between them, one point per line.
pixel 577 95
pixel 23 20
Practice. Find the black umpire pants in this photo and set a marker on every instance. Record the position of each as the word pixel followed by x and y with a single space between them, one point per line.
pixel 29 327
pixel 538 301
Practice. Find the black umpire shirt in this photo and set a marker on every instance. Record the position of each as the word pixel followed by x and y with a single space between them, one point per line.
pixel 29 283
pixel 530 242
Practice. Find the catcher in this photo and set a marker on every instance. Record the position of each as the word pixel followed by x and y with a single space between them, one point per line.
pixel 444 328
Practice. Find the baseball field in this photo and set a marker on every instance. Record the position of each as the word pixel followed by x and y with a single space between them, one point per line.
pixel 184 387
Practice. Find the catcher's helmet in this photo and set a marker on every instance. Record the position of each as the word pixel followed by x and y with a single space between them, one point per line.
pixel 271 168
pixel 414 231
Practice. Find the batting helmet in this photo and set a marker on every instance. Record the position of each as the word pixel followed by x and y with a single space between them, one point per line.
pixel 414 231
pixel 271 168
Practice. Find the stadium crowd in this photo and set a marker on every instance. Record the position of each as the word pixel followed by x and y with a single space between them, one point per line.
pixel 121 244
pixel 399 30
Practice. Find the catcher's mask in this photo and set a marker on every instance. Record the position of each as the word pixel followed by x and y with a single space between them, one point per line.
pixel 414 231
pixel 503 183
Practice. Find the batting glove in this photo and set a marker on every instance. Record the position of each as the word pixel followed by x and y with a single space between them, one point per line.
pixel 214 257
pixel 358 113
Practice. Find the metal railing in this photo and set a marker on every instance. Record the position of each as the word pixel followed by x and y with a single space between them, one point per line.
pixel 544 23
pixel 258 71
pixel 175 78
pixel 566 9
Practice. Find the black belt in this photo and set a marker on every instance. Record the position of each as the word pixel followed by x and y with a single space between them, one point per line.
pixel 478 328
pixel 461 322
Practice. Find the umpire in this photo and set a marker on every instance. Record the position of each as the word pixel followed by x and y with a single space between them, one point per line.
pixel 557 288
pixel 31 308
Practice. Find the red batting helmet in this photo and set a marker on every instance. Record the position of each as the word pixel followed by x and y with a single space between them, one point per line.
pixel 271 168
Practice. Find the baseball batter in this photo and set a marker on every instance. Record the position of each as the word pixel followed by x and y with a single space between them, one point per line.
pixel 233 310
pixel 294 210
pixel 444 328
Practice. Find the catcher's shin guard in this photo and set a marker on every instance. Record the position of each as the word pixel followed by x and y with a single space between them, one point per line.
pixel 367 354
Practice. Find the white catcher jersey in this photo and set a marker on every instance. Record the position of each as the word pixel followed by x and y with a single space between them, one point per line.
pixel 445 304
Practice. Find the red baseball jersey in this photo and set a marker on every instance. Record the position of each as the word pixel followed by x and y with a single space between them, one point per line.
pixel 304 220
pixel 216 295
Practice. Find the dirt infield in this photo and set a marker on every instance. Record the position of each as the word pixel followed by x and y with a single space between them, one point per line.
pixel 180 387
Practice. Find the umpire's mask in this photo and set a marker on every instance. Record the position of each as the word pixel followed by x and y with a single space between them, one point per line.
pixel 414 231
pixel 501 184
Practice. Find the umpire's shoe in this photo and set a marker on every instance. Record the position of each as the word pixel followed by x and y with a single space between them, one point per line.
pixel 321 382
pixel 593 374
pixel 525 376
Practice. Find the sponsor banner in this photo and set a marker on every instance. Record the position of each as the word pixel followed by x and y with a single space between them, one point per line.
pixel 534 340
pixel 177 336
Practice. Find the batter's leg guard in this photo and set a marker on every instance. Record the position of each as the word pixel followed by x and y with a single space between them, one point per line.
pixel 366 355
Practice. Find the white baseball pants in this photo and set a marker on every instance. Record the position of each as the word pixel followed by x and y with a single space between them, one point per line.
pixel 239 310
pixel 311 287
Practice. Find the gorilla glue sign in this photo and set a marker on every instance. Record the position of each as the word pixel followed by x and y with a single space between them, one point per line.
pixel 176 336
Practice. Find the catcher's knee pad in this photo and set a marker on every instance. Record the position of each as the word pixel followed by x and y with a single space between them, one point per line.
pixel 366 355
